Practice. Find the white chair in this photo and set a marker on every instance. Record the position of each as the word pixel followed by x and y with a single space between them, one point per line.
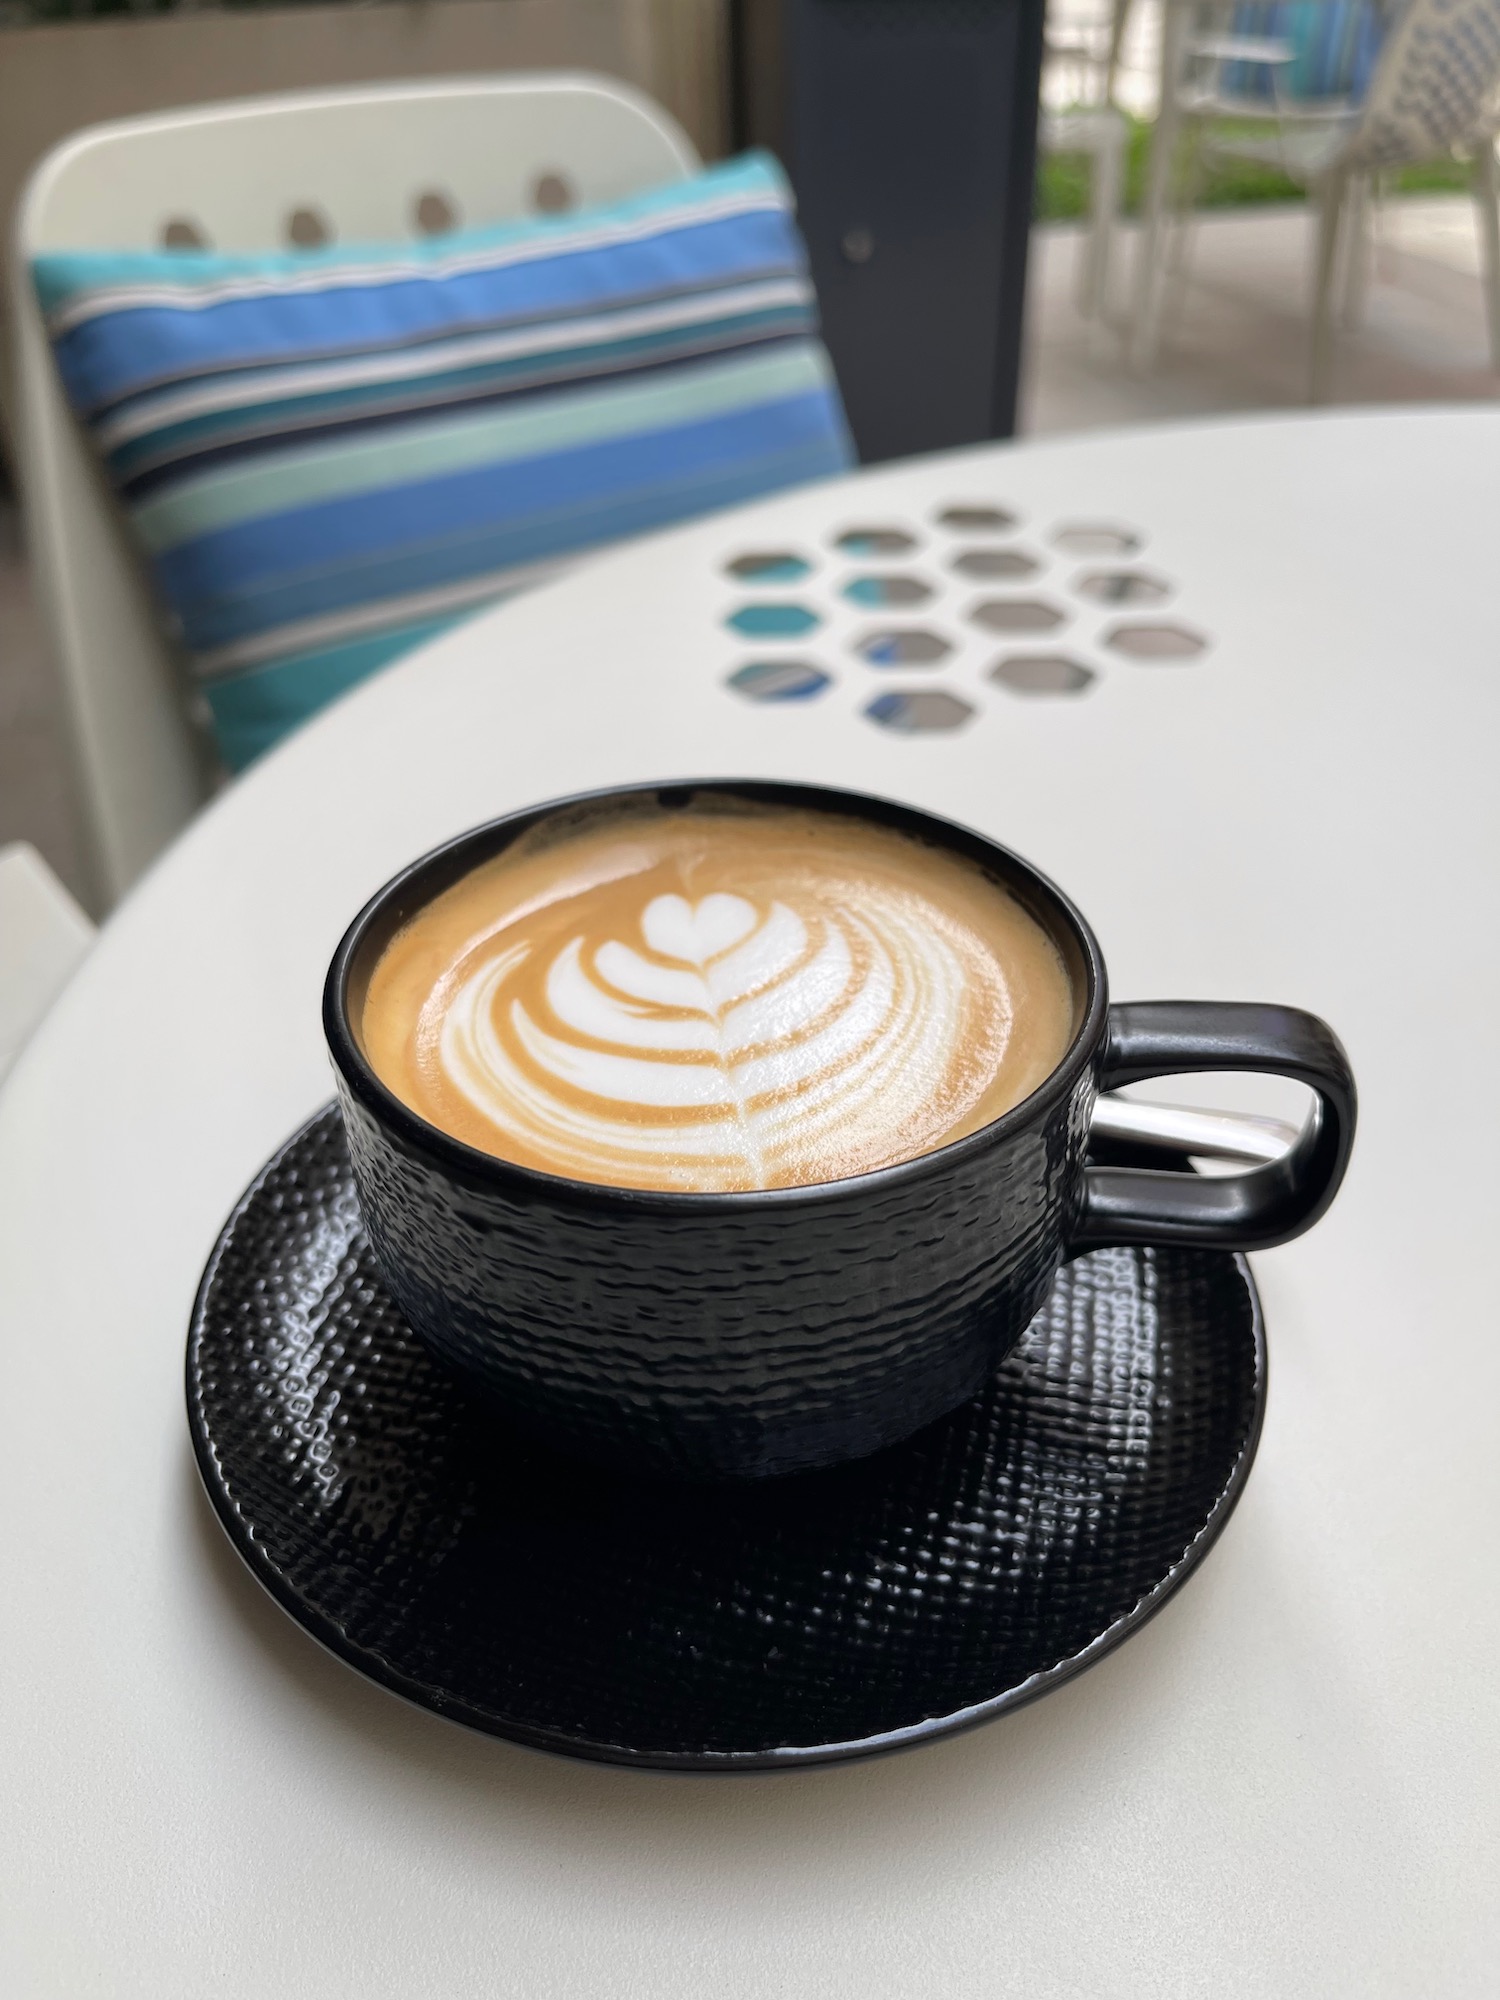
pixel 1434 93
pixel 356 166
pixel 43 935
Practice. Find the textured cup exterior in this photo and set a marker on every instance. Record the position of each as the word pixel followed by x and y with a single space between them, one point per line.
pixel 720 1336
pixel 734 1338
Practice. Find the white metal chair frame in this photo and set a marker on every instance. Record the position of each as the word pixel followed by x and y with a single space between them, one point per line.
pixel 1435 91
pixel 367 165
pixel 1089 123
pixel 1218 122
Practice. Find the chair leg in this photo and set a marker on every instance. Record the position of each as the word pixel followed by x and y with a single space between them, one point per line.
pixel 1087 280
pixel 1108 196
pixel 1119 21
pixel 1104 218
pixel 1187 186
pixel 1153 218
pixel 1357 251
pixel 1380 192
pixel 1487 214
pixel 1331 208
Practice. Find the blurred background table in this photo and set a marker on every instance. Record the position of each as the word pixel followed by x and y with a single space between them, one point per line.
pixel 1263 763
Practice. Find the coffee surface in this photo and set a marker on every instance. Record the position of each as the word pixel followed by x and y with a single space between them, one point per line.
pixel 721 997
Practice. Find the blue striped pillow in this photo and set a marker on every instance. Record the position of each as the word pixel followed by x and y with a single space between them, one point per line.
pixel 329 456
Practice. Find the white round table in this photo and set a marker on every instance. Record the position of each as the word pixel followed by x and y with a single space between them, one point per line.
pixel 1286 1783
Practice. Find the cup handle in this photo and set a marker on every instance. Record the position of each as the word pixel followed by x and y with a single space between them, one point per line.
pixel 1253 1210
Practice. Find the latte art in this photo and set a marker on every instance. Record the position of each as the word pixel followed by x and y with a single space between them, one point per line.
pixel 738 1045
pixel 730 1002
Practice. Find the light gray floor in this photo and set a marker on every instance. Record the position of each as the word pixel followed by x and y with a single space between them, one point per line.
pixel 1236 340
pixel 1235 334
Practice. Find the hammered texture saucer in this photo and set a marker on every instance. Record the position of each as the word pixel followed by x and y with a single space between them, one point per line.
pixel 984 1561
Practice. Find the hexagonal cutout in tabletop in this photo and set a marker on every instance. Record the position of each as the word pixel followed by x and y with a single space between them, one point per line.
pixel 1165 642
pixel 1042 674
pixel 1096 538
pixel 773 621
pixel 1123 586
pixel 976 520
pixel 876 593
pixel 995 565
pixel 912 711
pixel 1018 614
pixel 916 647
pixel 769 566
pixel 778 680
pixel 864 543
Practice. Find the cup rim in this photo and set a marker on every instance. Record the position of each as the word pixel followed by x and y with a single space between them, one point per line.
pixel 455 857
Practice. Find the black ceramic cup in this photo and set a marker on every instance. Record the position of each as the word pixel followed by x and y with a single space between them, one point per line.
pixel 718 1336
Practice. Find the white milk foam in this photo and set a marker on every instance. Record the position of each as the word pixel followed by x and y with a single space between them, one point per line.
pixel 742 1041
pixel 717 999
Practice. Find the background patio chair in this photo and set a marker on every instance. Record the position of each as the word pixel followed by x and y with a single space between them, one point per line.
pixel 369 165
pixel 43 935
pixel 1080 118
pixel 1432 93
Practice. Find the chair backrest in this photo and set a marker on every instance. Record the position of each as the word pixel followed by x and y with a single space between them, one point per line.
pixel 1434 87
pixel 1329 51
pixel 369 165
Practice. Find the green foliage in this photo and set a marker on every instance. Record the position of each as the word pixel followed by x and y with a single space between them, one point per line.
pixel 1437 177
pixel 1063 179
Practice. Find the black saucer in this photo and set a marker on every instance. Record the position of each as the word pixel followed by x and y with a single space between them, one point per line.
pixel 959 1574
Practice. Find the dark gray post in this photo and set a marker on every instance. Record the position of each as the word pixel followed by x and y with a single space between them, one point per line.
pixel 908 128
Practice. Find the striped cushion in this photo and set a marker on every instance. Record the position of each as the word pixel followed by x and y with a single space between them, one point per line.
pixel 330 456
